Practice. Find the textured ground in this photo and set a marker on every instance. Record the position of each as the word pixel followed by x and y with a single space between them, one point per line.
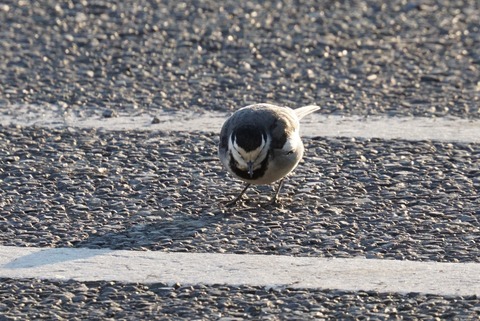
pixel 392 199
pixel 363 57
pixel 385 199
pixel 147 190
pixel 113 301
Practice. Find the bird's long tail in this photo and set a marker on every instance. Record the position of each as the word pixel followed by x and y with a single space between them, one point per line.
pixel 305 110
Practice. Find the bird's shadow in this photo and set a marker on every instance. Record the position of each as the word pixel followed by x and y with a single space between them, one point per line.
pixel 173 233
pixel 176 232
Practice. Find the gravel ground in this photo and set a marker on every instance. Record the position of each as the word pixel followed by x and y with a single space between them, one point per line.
pixel 34 299
pixel 161 191
pixel 351 57
pixel 387 199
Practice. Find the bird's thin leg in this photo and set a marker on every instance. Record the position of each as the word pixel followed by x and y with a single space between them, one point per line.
pixel 275 197
pixel 231 203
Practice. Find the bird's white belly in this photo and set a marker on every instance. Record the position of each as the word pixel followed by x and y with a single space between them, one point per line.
pixel 278 168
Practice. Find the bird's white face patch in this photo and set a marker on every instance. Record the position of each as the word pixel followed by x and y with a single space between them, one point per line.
pixel 292 143
pixel 254 157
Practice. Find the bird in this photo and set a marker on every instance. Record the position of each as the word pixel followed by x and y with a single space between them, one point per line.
pixel 260 144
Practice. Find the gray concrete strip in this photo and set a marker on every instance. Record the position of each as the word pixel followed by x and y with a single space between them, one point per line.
pixel 441 129
pixel 235 269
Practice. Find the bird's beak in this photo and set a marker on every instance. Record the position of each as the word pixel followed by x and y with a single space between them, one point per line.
pixel 250 168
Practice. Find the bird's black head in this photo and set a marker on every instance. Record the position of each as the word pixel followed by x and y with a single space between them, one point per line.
pixel 248 137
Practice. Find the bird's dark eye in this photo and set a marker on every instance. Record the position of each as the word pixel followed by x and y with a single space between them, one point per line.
pixel 290 152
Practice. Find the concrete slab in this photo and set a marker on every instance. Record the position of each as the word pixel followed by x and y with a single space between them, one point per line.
pixel 235 269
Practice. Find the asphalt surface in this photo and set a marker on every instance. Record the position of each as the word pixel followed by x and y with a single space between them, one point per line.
pixel 354 57
pixel 377 198
pixel 117 301
pixel 161 191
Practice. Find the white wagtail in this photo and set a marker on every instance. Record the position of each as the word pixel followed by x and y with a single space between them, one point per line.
pixel 260 144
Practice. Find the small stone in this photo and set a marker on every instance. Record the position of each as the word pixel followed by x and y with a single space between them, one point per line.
pixel 109 113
